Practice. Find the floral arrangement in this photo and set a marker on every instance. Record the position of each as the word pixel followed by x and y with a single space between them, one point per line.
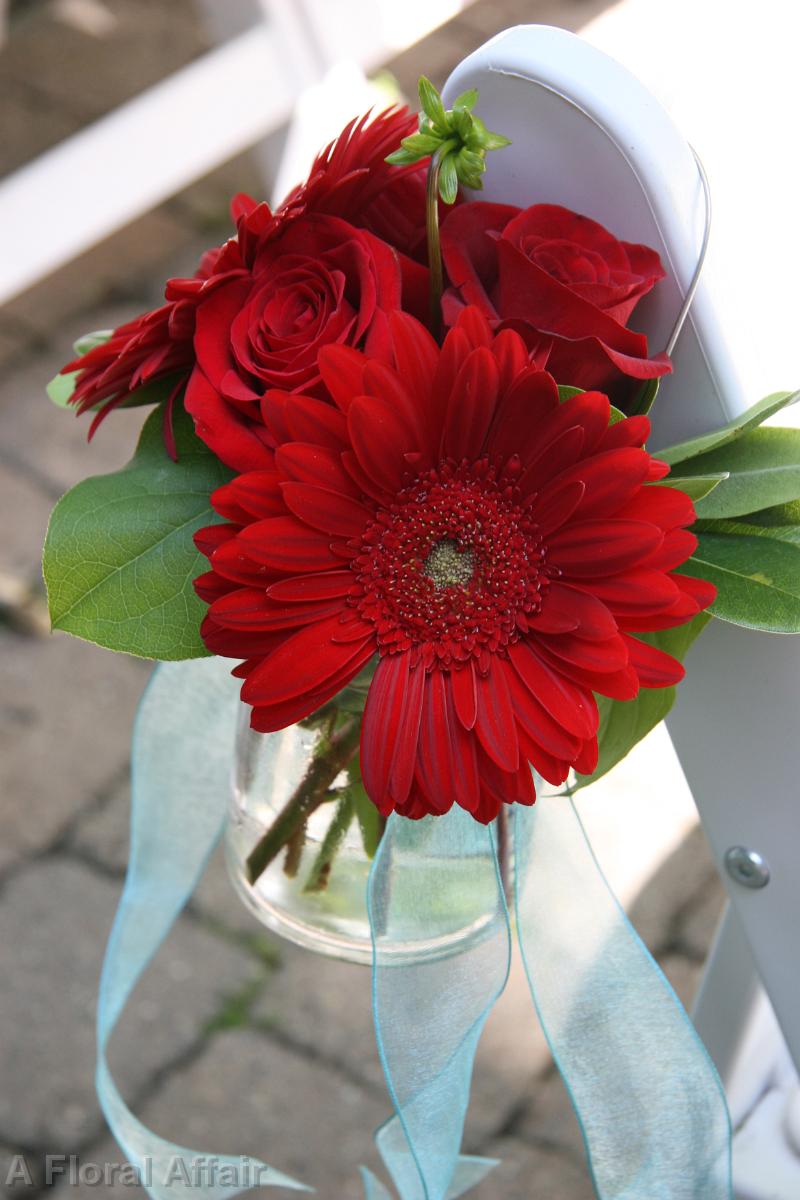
pixel 407 430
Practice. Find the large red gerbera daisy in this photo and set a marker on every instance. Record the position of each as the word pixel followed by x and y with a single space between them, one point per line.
pixel 494 547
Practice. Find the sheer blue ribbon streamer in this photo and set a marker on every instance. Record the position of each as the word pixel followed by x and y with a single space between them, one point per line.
pixel 649 1101
pixel 429 1014
pixel 647 1096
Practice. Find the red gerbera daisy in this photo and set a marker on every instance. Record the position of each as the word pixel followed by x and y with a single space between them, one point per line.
pixel 494 547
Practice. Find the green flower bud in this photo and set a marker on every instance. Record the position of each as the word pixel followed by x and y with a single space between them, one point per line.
pixel 459 139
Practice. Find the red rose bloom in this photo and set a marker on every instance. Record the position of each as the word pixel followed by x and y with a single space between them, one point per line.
pixel 495 548
pixel 318 281
pixel 563 281
pixel 349 178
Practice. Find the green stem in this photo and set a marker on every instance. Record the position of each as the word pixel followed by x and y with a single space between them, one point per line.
pixel 320 871
pixel 436 273
pixel 306 798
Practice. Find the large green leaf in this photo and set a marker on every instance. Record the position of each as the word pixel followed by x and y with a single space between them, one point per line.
pixel 757 576
pixel 720 437
pixel 623 723
pixel 119 559
pixel 781 521
pixel 695 486
pixel 763 469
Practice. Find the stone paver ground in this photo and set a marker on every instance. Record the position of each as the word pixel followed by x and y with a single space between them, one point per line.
pixel 234 1041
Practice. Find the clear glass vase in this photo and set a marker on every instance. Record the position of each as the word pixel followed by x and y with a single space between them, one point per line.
pixel 333 920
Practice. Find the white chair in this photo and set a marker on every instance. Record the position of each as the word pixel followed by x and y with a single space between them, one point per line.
pixel 231 98
pixel 585 133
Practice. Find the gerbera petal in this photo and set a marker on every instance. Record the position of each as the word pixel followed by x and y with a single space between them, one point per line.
pixel 287 545
pixel 654 668
pixel 619 685
pixel 552 459
pixel 415 352
pixel 495 724
pixel 232 564
pixel 573 707
pixel 251 608
pixel 577 610
pixel 633 431
pixel 678 545
pixel 323 585
pixel 636 590
pixel 552 768
pixel 604 656
pixel 381 727
pixel 311 420
pixel 326 510
pixel 703 592
pixel 380 438
pixel 600 547
pixel 471 406
pixel 342 371
pixel 610 479
pixel 465 696
pixel 267 718
pixel 536 721
pixel 436 757
pixel 210 538
pixel 306 463
pixel 557 505
pixel 473 323
pixel 517 425
pixel 512 357
pixel 255 494
pixel 305 663
pixel 664 506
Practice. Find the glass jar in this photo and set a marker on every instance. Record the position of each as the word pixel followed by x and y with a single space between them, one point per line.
pixel 429 891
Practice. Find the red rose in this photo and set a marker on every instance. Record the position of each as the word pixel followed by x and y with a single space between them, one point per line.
pixel 563 281
pixel 349 178
pixel 320 281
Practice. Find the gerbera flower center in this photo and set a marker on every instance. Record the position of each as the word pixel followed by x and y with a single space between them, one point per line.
pixel 448 566
pixel 453 567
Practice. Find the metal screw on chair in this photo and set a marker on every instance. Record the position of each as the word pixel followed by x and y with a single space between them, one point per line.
pixel 746 867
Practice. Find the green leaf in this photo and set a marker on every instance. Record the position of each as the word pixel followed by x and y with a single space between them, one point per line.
pixel 645 398
pixel 88 341
pixel 466 100
pixel 782 521
pixel 448 180
pixel 695 486
pixel 720 437
pixel 757 577
pixel 60 389
pixel 495 141
pixel 432 105
pixel 370 821
pixel 401 158
pixel 623 723
pixel 566 393
pixel 119 559
pixel 763 469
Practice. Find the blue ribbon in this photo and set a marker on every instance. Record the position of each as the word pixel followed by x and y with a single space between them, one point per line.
pixel 648 1099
